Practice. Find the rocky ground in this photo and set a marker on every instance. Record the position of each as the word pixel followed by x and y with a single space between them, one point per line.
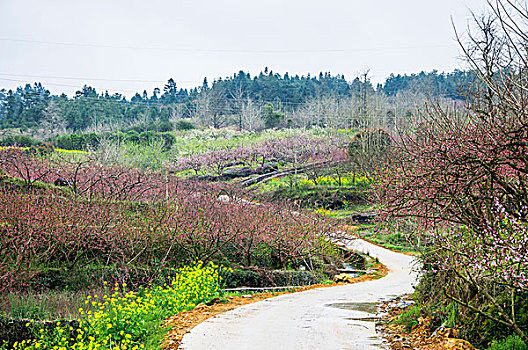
pixel 421 337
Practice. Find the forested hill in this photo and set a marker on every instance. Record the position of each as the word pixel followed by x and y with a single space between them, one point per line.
pixel 453 85
pixel 33 106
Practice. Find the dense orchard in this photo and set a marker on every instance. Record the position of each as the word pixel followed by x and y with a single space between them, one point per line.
pixel 294 151
pixel 127 218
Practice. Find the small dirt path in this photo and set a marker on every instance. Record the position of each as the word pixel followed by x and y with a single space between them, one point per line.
pixel 324 318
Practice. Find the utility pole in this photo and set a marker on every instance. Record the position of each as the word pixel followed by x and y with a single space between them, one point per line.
pixel 364 97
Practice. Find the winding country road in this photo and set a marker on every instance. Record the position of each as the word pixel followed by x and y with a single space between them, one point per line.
pixel 323 318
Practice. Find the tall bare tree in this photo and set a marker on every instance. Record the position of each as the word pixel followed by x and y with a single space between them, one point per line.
pixel 53 122
pixel 211 108
pixel 250 115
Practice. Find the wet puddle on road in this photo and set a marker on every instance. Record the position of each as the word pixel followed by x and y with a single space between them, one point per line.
pixel 362 318
pixel 371 308
pixel 366 319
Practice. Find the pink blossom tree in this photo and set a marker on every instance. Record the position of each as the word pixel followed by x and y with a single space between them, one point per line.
pixel 464 178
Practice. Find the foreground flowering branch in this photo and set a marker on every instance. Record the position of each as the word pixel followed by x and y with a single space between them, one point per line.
pixel 465 180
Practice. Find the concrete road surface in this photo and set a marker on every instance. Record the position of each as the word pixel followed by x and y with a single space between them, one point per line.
pixel 323 318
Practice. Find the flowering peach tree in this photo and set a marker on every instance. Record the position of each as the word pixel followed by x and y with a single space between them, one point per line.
pixel 135 219
pixel 465 180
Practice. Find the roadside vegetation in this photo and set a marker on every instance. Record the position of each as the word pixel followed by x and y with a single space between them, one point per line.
pixel 460 179
pixel 126 319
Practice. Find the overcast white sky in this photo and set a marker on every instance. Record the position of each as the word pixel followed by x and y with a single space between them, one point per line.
pixel 127 46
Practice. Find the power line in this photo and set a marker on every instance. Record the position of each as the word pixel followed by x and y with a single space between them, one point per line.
pixel 63 85
pixel 95 79
pixel 66 85
pixel 24 81
pixel 200 50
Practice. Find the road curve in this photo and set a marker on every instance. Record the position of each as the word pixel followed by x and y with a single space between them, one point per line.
pixel 323 318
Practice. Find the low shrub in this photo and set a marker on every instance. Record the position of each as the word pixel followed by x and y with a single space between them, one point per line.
pixel 21 141
pixel 255 277
pixel 184 125
pixel 80 142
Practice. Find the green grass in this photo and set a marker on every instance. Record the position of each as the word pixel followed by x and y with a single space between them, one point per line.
pixel 410 317
pixel 19 184
pixel 510 343
pixel 452 311
pixel 326 281
pixel 50 305
pixel 28 309
pixel 348 212
pixel 388 239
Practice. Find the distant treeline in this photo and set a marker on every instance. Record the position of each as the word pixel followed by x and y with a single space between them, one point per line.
pixel 33 106
pixel 455 85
